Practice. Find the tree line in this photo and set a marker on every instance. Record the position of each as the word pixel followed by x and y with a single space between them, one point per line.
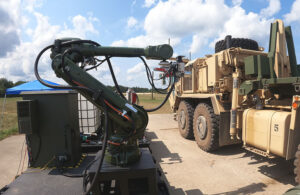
pixel 136 89
pixel 5 84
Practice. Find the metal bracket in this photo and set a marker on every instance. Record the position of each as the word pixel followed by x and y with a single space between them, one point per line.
pixel 266 87
pixel 297 87
pixel 97 94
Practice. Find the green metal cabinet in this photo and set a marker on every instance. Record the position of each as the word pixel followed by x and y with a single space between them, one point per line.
pixel 57 134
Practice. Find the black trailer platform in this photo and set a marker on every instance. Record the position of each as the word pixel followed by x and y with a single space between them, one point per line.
pixel 36 181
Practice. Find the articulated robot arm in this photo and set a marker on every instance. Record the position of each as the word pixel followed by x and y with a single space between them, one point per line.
pixel 127 122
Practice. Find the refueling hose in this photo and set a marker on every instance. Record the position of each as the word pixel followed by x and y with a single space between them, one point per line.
pixel 150 78
pixel 165 100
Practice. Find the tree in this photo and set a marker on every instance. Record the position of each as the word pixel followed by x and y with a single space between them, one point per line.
pixel 19 83
pixel 4 84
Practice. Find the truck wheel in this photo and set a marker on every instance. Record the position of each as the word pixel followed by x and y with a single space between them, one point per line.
pixel 206 127
pixel 236 42
pixel 297 165
pixel 185 119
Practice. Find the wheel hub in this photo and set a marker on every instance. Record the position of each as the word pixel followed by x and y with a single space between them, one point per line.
pixel 201 127
pixel 182 119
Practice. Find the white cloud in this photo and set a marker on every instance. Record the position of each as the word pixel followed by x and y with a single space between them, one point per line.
pixel 12 8
pixel 144 40
pixel 81 25
pixel 136 76
pixel 136 69
pixel 30 5
pixel 294 14
pixel 203 21
pixel 149 3
pixel 131 22
pixel 119 43
pixel 243 25
pixel 18 63
pixel 189 17
pixel 273 8
pixel 198 41
pixel 237 2
pixel 9 21
pixel 103 72
pixel 188 20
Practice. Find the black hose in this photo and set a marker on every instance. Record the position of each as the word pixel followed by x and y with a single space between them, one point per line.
pixel 165 100
pixel 101 62
pixel 60 86
pixel 114 78
pixel 150 78
pixel 86 192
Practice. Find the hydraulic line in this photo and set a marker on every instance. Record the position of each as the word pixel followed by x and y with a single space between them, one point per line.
pixel 101 62
pixel 87 191
pixel 61 86
pixel 150 78
pixel 113 77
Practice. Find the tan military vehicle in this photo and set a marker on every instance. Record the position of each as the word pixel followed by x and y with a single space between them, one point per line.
pixel 243 94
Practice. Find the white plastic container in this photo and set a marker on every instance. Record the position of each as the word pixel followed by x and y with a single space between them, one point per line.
pixel 89 115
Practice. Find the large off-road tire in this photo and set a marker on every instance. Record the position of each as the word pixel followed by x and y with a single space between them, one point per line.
pixel 236 42
pixel 185 114
pixel 206 127
pixel 297 165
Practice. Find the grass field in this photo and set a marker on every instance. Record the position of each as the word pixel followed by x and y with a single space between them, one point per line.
pixel 9 124
pixel 147 102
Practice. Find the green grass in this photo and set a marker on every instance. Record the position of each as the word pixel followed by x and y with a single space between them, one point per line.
pixel 8 132
pixel 8 122
pixel 147 102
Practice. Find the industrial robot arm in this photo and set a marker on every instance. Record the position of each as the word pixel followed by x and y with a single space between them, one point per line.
pixel 127 121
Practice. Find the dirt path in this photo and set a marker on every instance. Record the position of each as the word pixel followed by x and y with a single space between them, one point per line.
pixel 10 156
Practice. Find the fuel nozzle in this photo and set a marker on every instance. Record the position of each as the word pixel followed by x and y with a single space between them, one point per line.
pixel 180 66
pixel 158 52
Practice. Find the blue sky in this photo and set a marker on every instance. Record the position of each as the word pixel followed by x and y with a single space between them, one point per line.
pixel 26 26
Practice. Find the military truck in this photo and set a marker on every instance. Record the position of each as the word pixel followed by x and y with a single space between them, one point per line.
pixel 242 94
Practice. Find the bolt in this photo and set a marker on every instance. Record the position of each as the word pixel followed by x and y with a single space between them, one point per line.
pixel 67 68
